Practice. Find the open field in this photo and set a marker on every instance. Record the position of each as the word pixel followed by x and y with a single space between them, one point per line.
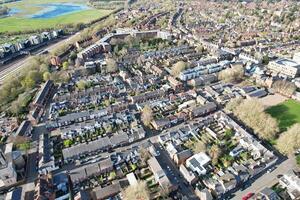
pixel 13 24
pixel 287 113
pixel 22 21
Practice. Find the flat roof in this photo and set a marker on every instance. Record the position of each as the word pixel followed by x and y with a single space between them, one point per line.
pixel 131 178
pixel 287 62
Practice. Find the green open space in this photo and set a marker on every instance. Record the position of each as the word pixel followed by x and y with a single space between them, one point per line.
pixel 287 113
pixel 13 24
pixel 21 21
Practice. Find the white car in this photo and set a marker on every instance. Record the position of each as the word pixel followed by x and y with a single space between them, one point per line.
pixel 271 169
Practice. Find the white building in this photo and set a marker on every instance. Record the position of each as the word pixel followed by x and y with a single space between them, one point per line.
pixel 131 179
pixel 8 175
pixel 285 66
pixel 198 162
pixel 291 182
pixel 296 57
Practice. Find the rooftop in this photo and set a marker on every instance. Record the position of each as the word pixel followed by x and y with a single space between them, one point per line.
pixel 287 62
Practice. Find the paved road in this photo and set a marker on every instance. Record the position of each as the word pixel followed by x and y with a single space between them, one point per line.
pixel 268 179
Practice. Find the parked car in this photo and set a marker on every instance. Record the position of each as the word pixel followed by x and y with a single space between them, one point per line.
pixel 271 169
pixel 248 196
pixel 279 175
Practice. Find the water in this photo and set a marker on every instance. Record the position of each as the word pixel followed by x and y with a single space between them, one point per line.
pixel 13 11
pixel 52 10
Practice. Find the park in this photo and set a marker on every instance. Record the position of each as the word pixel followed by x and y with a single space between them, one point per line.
pixel 286 113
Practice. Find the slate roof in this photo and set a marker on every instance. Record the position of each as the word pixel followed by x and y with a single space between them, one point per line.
pixel 23 128
pixel 83 148
pixel 106 192
pixel 44 92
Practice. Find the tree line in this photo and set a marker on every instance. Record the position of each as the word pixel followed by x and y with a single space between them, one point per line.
pixel 251 112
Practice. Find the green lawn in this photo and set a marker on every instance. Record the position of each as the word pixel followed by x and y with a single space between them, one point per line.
pixel 287 113
pixel 21 21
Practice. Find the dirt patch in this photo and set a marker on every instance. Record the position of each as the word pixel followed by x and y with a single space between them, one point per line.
pixel 272 100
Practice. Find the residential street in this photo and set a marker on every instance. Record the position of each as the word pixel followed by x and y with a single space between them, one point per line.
pixel 268 179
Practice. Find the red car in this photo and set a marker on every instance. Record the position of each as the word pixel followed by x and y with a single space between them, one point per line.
pixel 248 196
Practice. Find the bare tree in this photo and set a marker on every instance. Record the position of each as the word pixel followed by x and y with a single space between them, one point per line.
pixel 144 154
pixel 200 49
pixel 177 68
pixel 251 112
pixel 147 115
pixel 231 75
pixel 199 147
pixel 215 153
pixel 284 87
pixel 111 65
pixel 289 141
pixel 231 105
pixel 138 191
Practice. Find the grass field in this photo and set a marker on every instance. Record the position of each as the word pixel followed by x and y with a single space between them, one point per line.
pixel 21 21
pixel 287 113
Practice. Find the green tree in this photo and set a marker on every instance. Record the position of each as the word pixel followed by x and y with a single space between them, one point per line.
pixel 65 65
pixel 68 143
pixel 28 82
pixel 298 160
pixel 265 59
pixel 46 76
pixel 73 55
pixel 81 85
